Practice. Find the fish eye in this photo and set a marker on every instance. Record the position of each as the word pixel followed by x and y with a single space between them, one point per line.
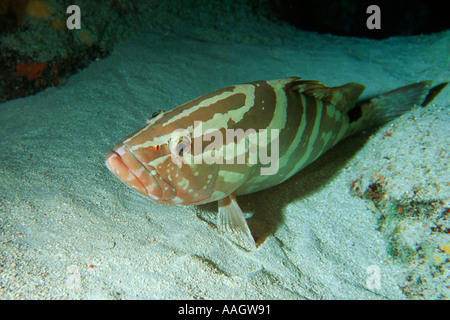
pixel 156 113
pixel 153 116
pixel 180 146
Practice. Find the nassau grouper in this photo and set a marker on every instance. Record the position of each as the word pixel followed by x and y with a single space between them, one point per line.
pixel 248 137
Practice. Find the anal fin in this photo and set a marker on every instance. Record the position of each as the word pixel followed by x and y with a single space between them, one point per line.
pixel 232 224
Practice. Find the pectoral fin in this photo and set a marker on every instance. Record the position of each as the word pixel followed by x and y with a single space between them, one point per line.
pixel 232 223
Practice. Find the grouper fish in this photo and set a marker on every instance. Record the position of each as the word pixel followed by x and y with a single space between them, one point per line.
pixel 248 137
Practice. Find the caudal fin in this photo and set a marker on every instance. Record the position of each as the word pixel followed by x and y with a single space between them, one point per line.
pixel 433 93
pixel 388 106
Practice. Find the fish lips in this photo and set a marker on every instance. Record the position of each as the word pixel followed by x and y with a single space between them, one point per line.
pixel 144 179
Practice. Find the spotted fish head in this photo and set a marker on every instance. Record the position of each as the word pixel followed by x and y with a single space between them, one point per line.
pixel 157 161
pixel 149 159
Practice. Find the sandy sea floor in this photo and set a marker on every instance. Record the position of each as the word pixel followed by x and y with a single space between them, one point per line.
pixel 70 229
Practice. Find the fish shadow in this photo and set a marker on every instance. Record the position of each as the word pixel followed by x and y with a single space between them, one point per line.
pixel 267 205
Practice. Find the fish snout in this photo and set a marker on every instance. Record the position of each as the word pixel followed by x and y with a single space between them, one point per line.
pixel 125 166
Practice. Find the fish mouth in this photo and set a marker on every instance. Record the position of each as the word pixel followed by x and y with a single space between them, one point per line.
pixel 125 166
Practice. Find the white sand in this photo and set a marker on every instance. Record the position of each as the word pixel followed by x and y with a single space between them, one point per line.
pixel 63 213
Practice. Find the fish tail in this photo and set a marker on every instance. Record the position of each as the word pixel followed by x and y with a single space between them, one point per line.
pixel 386 107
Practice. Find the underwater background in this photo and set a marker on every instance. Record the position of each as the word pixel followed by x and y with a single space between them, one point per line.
pixel 368 220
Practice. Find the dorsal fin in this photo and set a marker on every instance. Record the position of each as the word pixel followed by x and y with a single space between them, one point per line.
pixel 343 97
